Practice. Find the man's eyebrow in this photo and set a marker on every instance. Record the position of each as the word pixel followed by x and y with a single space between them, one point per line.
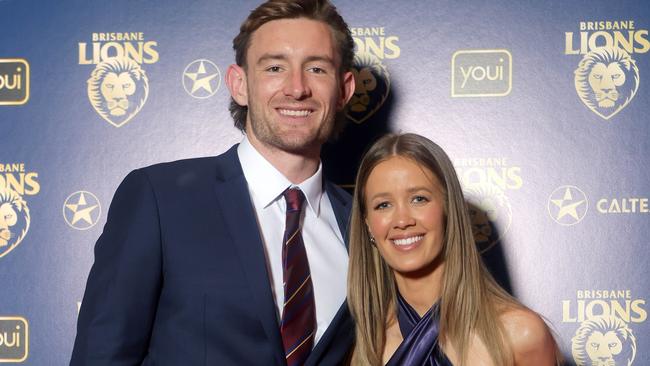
pixel 282 57
pixel 326 59
pixel 271 56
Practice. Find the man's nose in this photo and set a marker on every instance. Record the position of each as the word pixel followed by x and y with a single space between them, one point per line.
pixel 296 85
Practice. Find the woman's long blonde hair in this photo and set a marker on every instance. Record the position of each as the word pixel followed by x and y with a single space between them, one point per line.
pixel 470 296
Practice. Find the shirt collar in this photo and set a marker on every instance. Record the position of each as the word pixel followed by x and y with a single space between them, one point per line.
pixel 267 184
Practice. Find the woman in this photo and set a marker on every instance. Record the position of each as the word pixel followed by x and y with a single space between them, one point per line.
pixel 417 287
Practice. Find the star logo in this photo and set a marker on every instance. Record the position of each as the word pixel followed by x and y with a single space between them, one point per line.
pixel 201 79
pixel 81 210
pixel 567 205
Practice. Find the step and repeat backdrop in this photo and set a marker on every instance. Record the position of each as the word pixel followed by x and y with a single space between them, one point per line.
pixel 543 107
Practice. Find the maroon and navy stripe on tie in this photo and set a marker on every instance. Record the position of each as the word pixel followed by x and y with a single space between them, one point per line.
pixel 298 325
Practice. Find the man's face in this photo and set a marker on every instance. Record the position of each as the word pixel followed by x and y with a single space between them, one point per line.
pixel 294 88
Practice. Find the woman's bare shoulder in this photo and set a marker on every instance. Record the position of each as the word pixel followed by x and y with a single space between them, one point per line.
pixel 530 338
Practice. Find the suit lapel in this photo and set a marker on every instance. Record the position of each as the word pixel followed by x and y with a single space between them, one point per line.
pixel 341 205
pixel 239 215
pixel 341 330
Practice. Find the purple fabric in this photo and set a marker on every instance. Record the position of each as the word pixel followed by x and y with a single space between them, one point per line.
pixel 420 344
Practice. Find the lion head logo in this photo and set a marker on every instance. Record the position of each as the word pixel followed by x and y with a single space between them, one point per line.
pixel 117 89
pixel 603 341
pixel 372 87
pixel 606 80
pixel 489 210
pixel 14 220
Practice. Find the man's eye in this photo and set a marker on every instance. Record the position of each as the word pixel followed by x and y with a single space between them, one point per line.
pixel 273 69
pixel 317 70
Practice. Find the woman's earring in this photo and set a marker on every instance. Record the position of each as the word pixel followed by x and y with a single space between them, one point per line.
pixel 372 238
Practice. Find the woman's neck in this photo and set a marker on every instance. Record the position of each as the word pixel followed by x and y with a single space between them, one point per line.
pixel 421 291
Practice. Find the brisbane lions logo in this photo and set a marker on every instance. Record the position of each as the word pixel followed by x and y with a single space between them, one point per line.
pixel 117 89
pixel 372 87
pixel 490 213
pixel 603 341
pixel 606 80
pixel 14 220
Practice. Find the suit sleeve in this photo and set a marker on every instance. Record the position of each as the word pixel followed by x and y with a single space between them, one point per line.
pixel 121 297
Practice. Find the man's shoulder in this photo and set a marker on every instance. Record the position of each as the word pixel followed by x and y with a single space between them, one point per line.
pixel 190 169
pixel 181 165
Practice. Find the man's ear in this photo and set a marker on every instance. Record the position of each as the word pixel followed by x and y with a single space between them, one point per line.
pixel 236 82
pixel 348 84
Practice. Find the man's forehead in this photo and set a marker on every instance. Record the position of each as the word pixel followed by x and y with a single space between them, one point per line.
pixel 312 37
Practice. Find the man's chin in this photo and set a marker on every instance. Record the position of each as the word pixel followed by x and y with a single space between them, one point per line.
pixel 298 146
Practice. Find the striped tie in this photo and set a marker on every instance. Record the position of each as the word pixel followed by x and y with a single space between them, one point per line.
pixel 299 313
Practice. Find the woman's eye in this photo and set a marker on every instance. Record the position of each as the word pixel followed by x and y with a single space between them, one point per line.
pixel 382 206
pixel 420 199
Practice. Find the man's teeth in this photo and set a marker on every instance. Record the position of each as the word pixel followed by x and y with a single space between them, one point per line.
pixel 408 241
pixel 294 113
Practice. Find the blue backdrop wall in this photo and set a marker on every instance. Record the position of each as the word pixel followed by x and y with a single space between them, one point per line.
pixel 542 106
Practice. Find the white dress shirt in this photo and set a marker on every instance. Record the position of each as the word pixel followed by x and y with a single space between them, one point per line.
pixel 326 252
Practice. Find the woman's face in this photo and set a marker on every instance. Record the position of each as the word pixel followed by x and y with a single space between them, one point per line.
pixel 405 214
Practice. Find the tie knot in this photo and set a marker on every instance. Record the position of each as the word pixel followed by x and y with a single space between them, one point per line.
pixel 294 198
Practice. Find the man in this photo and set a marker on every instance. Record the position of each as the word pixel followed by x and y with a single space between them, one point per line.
pixel 194 266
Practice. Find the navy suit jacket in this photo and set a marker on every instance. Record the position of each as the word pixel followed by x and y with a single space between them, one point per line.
pixel 180 275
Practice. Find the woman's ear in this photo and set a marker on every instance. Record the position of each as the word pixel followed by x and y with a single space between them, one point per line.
pixel 372 238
